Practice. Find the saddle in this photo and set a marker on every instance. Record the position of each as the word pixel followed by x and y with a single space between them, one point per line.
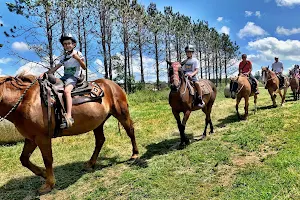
pixel 281 80
pixel 52 94
pixel 204 86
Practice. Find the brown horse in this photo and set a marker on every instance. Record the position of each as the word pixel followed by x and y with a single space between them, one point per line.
pixel 30 118
pixel 294 83
pixel 241 88
pixel 181 100
pixel 271 82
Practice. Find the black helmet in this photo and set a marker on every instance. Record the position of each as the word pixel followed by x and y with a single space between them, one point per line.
pixel 189 48
pixel 67 36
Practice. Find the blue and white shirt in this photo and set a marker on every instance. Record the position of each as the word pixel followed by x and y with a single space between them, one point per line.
pixel 71 65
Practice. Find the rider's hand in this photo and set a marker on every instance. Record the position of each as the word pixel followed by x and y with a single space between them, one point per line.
pixel 42 75
pixel 75 55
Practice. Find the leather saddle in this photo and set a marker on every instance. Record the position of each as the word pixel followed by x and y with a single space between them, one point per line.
pixel 52 94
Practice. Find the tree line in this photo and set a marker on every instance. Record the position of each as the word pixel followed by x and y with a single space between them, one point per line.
pixel 119 31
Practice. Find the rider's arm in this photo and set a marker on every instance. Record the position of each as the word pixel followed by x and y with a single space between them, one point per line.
pixel 195 72
pixel 250 68
pixel 52 70
pixel 80 60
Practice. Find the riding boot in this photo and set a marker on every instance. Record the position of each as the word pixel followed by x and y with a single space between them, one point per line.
pixel 199 91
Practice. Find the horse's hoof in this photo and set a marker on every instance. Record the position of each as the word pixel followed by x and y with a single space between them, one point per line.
pixel 45 188
pixel 88 167
pixel 187 142
pixel 182 145
pixel 134 157
pixel 211 132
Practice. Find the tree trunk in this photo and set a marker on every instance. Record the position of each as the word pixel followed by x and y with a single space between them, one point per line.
pixel 156 60
pixel 141 58
pixel 103 38
pixel 49 36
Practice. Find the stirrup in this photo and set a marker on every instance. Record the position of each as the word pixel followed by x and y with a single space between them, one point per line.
pixel 66 122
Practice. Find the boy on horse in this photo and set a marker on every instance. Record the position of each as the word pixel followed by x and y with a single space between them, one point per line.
pixel 245 67
pixel 277 67
pixel 191 68
pixel 73 62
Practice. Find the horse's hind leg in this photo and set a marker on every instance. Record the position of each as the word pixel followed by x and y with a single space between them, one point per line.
pixel 29 147
pixel 255 101
pixel 99 141
pixel 123 116
pixel 246 106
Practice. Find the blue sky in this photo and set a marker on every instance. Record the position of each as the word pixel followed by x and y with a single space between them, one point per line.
pixel 262 28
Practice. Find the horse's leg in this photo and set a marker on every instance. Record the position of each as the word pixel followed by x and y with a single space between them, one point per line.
pixel 99 141
pixel 44 143
pixel 238 100
pixel 255 100
pixel 246 106
pixel 182 134
pixel 125 120
pixel 282 96
pixel 181 129
pixel 273 96
pixel 29 147
pixel 207 111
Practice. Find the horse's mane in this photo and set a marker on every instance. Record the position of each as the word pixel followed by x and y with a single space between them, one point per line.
pixel 20 81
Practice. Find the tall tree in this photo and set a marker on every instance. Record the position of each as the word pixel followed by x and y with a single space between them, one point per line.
pixel 155 18
pixel 42 14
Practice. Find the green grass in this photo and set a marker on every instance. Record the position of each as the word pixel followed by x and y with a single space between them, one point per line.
pixel 254 159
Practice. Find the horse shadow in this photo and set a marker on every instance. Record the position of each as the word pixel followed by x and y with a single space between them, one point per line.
pixel 266 107
pixel 227 120
pixel 164 147
pixel 66 175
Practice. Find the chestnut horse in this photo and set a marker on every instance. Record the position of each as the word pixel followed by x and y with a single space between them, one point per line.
pixel 241 88
pixel 271 82
pixel 30 118
pixel 294 83
pixel 180 100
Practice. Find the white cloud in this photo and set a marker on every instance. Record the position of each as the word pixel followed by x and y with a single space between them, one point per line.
pixel 32 68
pixel 0 71
pixel 283 31
pixel 270 46
pixel 287 3
pixel 20 46
pixel 219 19
pixel 257 14
pixel 248 13
pixel 5 60
pixel 251 30
pixel 225 30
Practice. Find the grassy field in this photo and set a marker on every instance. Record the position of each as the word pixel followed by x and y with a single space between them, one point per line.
pixel 254 159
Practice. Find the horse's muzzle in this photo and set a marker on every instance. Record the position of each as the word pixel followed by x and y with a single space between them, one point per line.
pixel 233 95
pixel 174 88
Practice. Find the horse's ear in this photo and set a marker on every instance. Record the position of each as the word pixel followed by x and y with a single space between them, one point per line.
pixel 169 62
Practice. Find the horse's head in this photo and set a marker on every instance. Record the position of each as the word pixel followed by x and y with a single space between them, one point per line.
pixel 265 74
pixel 233 86
pixel 175 74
